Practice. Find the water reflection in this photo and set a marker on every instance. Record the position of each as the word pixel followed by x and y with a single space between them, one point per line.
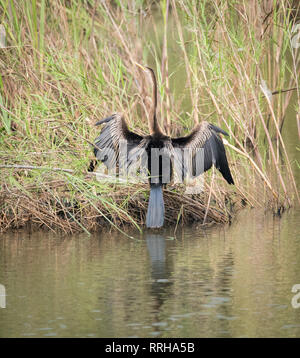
pixel 161 277
pixel 157 252
pixel 225 282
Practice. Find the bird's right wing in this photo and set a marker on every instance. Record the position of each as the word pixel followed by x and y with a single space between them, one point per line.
pixel 117 145
pixel 197 152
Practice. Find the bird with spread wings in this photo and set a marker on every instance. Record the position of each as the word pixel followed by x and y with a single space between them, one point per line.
pixel 190 155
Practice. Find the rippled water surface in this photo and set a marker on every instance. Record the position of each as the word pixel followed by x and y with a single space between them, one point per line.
pixel 233 281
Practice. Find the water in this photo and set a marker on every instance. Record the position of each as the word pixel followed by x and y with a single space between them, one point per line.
pixel 232 281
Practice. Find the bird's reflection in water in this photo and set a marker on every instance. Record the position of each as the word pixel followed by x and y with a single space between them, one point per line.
pixel 157 251
pixel 160 269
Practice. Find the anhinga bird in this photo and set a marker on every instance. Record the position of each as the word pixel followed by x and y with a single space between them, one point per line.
pixel 162 152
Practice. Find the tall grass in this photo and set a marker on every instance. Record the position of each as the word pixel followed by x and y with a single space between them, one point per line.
pixel 69 63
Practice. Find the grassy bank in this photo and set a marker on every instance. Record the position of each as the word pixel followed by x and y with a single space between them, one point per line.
pixel 67 64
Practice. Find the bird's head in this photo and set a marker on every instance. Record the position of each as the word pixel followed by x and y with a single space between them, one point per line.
pixel 149 71
pixel 144 68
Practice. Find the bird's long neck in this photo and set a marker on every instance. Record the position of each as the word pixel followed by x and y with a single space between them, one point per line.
pixel 154 125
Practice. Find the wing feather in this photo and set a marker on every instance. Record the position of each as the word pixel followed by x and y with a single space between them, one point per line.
pixel 204 148
pixel 117 145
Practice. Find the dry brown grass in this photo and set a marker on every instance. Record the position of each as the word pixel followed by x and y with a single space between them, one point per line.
pixel 68 64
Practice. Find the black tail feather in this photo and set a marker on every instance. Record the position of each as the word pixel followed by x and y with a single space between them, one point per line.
pixel 156 208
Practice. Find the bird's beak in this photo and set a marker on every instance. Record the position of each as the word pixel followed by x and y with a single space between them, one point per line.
pixel 140 66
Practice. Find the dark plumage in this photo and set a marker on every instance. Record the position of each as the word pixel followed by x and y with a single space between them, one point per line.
pixel 117 146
